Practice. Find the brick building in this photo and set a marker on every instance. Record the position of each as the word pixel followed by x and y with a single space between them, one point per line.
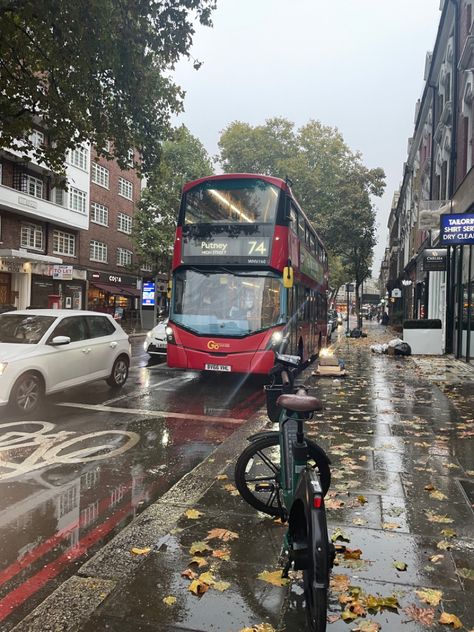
pixel 67 242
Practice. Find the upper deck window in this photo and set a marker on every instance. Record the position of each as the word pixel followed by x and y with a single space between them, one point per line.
pixel 245 201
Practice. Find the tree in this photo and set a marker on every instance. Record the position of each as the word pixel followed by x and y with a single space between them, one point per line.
pixel 93 71
pixel 183 159
pixel 330 181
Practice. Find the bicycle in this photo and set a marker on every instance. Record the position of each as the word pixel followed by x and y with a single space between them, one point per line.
pixel 294 487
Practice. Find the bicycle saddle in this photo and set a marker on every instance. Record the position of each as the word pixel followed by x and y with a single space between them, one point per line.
pixel 300 403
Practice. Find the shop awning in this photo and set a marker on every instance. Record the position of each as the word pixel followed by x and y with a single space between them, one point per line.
pixel 116 289
pixel 25 255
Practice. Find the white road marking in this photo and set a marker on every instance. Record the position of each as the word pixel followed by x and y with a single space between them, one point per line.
pixel 142 390
pixel 151 413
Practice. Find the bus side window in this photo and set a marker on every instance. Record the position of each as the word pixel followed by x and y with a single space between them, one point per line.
pixel 301 227
pixel 294 219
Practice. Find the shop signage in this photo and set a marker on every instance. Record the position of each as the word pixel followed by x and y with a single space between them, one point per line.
pixel 148 296
pixel 106 277
pixel 434 259
pixel 62 273
pixel 11 265
pixel 457 229
pixel 350 287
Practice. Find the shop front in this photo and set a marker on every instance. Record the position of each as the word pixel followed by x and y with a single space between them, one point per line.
pixel 115 294
pixel 57 287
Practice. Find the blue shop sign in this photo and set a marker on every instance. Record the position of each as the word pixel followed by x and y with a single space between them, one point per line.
pixel 457 229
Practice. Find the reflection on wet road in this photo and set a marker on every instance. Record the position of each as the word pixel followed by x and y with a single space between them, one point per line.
pixel 93 460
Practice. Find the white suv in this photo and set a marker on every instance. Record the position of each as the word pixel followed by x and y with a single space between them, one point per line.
pixel 47 350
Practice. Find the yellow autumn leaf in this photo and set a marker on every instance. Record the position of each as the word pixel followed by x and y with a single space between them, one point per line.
pixel 390 526
pixel 200 561
pixel 437 495
pixel 448 533
pixel 444 545
pixel 199 547
pixel 450 619
pixel 207 578
pixel 169 601
pixel 222 477
pixel 432 517
pixel 198 587
pixel 193 514
pixel 273 577
pixel 221 586
pixel 137 551
pixel 261 627
pixel 429 596
pixel 339 583
pixel 367 626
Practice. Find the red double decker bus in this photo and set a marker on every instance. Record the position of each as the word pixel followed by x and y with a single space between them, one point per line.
pixel 249 275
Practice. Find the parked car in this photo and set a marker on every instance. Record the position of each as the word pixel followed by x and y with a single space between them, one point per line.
pixel 155 342
pixel 48 350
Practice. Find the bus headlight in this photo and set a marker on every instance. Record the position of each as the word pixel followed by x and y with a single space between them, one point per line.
pixel 169 334
pixel 277 337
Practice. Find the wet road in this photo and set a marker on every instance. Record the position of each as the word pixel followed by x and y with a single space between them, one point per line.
pixel 61 497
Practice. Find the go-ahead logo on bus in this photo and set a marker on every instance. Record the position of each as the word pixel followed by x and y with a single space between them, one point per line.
pixel 215 346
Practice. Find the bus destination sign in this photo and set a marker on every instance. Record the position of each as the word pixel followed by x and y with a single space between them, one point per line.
pixel 226 248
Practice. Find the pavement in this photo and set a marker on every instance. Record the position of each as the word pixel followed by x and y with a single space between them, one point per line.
pixel 400 509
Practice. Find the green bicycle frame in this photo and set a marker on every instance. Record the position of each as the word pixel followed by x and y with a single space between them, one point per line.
pixel 291 468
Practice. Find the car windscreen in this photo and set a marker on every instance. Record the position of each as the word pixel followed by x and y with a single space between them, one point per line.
pixel 221 303
pixel 233 201
pixel 24 329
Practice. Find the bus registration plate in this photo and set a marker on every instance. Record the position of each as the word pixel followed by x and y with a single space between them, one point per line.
pixel 217 367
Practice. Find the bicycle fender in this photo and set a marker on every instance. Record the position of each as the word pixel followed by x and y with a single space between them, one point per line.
pixel 316 526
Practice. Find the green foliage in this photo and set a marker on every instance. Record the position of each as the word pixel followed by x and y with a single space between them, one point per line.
pixel 330 181
pixel 93 70
pixel 183 159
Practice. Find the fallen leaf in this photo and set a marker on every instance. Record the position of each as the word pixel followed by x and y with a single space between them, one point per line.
pixel 379 603
pixel 189 574
pixel 367 626
pixel 362 500
pixel 429 488
pixel 390 526
pixel 437 495
pixel 339 535
pixel 359 521
pixel 436 558
pixel 200 561
pixel 207 578
pixel 444 545
pixel 334 503
pixel 448 533
pixel 222 477
pixel 400 566
pixel 352 554
pixel 348 615
pixel 339 583
pixel 273 577
pixel 423 615
pixel 432 517
pixel 137 551
pixel 199 547
pixel 221 586
pixel 221 534
pixel 232 489
pixel 465 573
pixel 169 601
pixel 450 619
pixel 198 588
pixel 429 596
pixel 193 514
pixel 261 627
pixel 222 554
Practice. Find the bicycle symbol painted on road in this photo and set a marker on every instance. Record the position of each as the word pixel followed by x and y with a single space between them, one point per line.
pixel 57 448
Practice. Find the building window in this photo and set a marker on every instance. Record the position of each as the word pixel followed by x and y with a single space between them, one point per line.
pixel 31 185
pixel 125 188
pixel 98 251
pixel 146 267
pixel 100 175
pixel 124 223
pixel 64 243
pixel 77 200
pixel 32 236
pixel 99 214
pixel 78 157
pixel 36 138
pixel 124 257
pixel 130 157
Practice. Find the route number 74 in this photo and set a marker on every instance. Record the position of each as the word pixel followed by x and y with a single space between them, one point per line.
pixel 255 246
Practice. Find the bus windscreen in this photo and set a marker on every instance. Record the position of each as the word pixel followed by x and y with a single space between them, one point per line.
pixel 239 201
pixel 225 304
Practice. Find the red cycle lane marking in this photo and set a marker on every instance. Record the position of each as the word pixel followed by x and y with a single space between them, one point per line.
pixel 18 596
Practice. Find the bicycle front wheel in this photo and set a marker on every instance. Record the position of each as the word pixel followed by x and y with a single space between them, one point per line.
pixel 257 472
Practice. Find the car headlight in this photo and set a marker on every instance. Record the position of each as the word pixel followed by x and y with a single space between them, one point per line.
pixel 169 334
pixel 149 334
pixel 169 331
pixel 3 366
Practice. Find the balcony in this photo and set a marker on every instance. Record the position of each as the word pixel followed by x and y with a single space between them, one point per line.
pixel 33 207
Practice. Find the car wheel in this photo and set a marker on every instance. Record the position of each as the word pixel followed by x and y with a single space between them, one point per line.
pixel 27 393
pixel 119 373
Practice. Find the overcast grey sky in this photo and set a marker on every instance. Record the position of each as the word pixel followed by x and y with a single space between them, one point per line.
pixel 353 64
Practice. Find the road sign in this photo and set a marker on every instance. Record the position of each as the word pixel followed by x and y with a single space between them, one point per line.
pixel 350 287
